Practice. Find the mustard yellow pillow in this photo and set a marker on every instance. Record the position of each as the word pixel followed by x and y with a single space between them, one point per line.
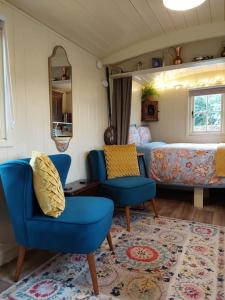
pixel 47 185
pixel 121 160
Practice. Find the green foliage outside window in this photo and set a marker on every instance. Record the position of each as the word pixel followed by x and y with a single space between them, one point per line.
pixel 207 112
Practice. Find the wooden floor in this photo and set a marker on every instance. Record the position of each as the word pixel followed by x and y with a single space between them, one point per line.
pixel 171 203
pixel 179 204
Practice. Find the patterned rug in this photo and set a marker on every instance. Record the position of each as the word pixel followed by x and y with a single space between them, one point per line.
pixel 160 259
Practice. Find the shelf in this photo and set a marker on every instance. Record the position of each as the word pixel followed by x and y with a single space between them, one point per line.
pixel 62 136
pixel 61 81
pixel 65 85
pixel 185 69
pixel 64 123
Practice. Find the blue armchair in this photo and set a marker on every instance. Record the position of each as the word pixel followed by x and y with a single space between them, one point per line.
pixel 124 191
pixel 81 228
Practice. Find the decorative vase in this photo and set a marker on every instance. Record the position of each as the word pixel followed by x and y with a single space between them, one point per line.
pixel 223 52
pixel 110 136
pixel 149 98
pixel 178 60
pixel 139 66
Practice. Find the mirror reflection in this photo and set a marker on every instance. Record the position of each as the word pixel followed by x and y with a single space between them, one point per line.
pixel 60 78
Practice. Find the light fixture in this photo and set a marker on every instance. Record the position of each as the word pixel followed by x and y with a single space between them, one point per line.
pixel 182 4
pixel 161 84
pixel 99 64
pixel 105 83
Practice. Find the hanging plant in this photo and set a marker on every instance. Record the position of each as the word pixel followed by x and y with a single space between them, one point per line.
pixel 149 91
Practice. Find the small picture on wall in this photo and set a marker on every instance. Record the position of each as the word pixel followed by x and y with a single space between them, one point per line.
pixel 149 111
pixel 157 62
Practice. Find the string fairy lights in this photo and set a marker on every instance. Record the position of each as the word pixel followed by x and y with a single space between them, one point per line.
pixel 167 83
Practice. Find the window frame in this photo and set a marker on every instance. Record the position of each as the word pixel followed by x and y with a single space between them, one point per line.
pixel 190 118
pixel 3 138
pixel 8 140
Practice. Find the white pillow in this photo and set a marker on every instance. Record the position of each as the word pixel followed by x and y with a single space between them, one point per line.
pixel 145 134
pixel 134 137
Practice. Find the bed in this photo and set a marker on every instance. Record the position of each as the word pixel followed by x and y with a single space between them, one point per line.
pixel 182 164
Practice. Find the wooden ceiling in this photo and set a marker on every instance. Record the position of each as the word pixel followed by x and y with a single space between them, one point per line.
pixel 103 27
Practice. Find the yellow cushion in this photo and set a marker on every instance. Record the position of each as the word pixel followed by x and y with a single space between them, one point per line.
pixel 121 160
pixel 220 159
pixel 47 185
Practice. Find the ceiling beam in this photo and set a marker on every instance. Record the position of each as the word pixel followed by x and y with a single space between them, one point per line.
pixel 192 34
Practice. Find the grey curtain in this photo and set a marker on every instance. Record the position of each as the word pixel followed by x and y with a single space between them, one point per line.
pixel 121 108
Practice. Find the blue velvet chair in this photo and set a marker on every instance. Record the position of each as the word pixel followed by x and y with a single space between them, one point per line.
pixel 124 191
pixel 81 228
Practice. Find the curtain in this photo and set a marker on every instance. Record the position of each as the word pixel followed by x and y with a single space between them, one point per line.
pixel 121 108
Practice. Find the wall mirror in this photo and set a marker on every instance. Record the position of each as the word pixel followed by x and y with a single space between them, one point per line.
pixel 60 91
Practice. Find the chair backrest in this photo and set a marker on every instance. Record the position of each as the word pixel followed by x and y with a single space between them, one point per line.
pixel 17 185
pixel 97 166
pixel 96 160
pixel 62 163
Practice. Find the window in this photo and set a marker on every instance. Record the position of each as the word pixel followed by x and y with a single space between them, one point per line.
pixel 2 96
pixel 207 111
pixel 7 121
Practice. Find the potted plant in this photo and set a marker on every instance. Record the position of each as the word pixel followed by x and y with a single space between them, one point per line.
pixel 149 92
pixel 149 105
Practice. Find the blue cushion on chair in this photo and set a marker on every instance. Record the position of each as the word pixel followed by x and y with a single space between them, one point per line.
pixel 129 190
pixel 88 219
pixel 83 210
pixel 128 181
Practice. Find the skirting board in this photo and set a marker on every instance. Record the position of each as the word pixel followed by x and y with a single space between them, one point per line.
pixel 7 252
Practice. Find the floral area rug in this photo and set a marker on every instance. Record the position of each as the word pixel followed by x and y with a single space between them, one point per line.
pixel 160 259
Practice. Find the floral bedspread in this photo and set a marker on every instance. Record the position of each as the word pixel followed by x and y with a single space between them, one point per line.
pixel 186 164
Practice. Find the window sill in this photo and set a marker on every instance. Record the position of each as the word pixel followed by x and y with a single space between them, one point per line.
pixel 5 143
pixel 214 134
pixel 207 138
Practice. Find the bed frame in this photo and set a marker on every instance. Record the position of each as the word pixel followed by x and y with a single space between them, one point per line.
pixel 199 192
pixel 199 197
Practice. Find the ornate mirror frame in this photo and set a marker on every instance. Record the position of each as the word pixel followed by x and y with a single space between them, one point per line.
pixel 58 85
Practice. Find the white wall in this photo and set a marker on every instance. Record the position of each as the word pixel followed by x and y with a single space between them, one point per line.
pixel 30 44
pixel 172 126
pixel 174 115
pixel 135 117
pixel 172 123
pixel 206 47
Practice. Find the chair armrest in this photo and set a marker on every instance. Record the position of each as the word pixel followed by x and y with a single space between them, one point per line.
pixel 142 164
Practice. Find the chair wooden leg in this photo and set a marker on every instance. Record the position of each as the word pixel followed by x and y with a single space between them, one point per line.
pixel 19 264
pixel 153 202
pixel 127 212
pixel 109 239
pixel 92 268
